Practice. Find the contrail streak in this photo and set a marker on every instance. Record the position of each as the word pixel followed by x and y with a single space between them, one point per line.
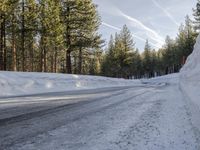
pixel 166 12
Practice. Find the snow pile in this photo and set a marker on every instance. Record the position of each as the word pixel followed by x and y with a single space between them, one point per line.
pixel 166 79
pixel 17 83
pixel 190 83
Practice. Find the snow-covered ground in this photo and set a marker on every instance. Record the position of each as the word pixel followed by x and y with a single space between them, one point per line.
pixel 18 83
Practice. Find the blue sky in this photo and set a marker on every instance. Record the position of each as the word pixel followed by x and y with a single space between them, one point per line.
pixel 147 19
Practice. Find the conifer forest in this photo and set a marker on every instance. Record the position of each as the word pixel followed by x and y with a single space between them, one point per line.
pixel 62 36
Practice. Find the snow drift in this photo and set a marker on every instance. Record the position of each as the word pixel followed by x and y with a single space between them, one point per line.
pixel 165 79
pixel 190 83
pixel 18 83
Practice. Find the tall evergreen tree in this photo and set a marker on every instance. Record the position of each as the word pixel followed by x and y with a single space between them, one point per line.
pixel 185 41
pixel 170 56
pixel 109 66
pixel 81 15
pixel 147 59
pixel 119 58
pixel 126 52
pixel 196 14
pixel 4 11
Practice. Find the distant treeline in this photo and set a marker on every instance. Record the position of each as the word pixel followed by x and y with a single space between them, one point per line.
pixel 62 36
pixel 123 60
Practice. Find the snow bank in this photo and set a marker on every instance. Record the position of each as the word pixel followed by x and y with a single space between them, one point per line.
pixel 172 79
pixel 18 83
pixel 190 83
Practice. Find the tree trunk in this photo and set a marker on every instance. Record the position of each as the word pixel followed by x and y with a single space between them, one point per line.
pixel 22 38
pixel 45 59
pixel 1 44
pixel 55 59
pixel 14 56
pixel 75 65
pixel 80 60
pixel 41 54
pixel 4 44
pixel 14 53
pixel 31 56
pixel 68 62
pixel 52 63
pixel 68 40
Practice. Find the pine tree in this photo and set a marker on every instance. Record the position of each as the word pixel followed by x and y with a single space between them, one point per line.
pixel 14 29
pixel 109 63
pixel 154 62
pixel 57 33
pixel 127 52
pixel 119 58
pixel 51 33
pixel 169 55
pixel 185 41
pixel 147 59
pixel 31 15
pixel 4 9
pixel 137 65
pixel 25 16
pixel 81 15
pixel 87 36
pixel 196 14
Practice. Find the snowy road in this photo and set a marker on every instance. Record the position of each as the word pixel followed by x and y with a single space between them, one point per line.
pixel 124 118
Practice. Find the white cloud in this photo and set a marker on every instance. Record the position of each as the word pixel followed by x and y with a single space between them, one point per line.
pixel 165 12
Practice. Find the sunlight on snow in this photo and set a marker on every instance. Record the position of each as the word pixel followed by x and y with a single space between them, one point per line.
pixel 75 76
pixel 49 85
